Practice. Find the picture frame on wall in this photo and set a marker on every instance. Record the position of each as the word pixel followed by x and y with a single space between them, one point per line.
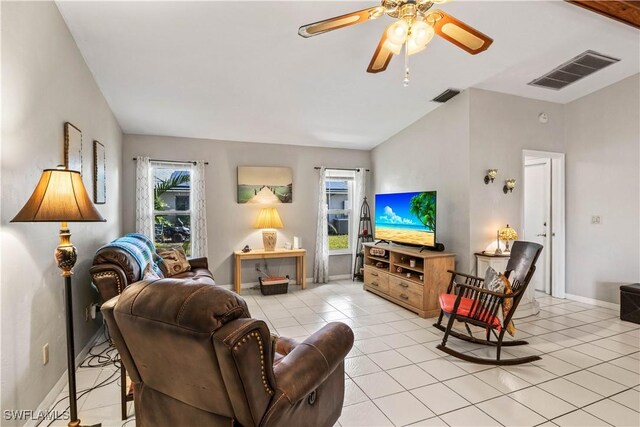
pixel 265 185
pixel 99 173
pixel 72 147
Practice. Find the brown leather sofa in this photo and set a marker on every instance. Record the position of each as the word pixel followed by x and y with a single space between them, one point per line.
pixel 197 358
pixel 114 268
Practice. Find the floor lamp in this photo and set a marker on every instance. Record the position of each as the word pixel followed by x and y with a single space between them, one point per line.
pixel 60 196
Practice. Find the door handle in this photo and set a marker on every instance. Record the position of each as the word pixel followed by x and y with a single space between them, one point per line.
pixel 542 235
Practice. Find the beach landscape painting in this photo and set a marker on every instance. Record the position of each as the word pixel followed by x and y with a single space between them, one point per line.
pixel 265 185
pixel 406 218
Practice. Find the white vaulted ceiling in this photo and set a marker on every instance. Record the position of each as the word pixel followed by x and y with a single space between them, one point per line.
pixel 238 70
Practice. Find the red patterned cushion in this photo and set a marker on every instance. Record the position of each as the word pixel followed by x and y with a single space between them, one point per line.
pixel 447 301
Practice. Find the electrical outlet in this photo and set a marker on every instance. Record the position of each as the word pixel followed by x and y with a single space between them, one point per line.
pixel 92 310
pixel 45 354
pixel 596 219
pixel 257 266
pixel 87 311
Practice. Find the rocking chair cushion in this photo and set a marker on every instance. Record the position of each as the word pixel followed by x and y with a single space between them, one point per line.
pixel 447 301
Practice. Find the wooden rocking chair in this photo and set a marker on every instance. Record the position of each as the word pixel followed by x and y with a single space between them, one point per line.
pixel 470 303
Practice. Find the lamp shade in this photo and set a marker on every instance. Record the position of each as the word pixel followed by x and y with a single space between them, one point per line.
pixel 268 218
pixel 60 196
pixel 508 233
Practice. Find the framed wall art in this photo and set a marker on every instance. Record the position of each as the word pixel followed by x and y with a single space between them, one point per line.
pixel 265 185
pixel 72 147
pixel 99 174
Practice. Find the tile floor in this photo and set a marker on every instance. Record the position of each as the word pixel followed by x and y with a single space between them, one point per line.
pixel 589 374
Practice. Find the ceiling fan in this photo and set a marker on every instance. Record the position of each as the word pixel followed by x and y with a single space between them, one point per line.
pixel 415 25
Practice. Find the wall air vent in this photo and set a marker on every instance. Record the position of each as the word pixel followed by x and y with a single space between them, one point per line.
pixel 578 68
pixel 446 95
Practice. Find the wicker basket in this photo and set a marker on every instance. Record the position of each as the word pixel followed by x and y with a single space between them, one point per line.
pixel 274 285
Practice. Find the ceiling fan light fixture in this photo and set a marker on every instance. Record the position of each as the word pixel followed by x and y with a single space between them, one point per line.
pixel 413 47
pixel 421 33
pixel 392 47
pixel 397 32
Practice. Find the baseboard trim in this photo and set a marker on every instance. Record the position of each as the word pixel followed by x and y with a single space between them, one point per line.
pixel 599 303
pixel 50 398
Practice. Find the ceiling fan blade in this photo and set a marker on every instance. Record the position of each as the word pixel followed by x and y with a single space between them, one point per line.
pixel 460 34
pixel 382 56
pixel 331 24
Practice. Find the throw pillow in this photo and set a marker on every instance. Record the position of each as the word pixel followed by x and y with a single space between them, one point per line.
pixel 492 281
pixel 150 273
pixel 174 261
pixel 508 304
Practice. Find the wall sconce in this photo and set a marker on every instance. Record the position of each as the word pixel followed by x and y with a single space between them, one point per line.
pixel 509 185
pixel 490 176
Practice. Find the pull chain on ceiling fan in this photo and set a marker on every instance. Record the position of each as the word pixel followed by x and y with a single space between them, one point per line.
pixel 414 28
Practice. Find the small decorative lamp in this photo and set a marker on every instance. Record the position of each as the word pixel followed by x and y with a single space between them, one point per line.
pixel 268 220
pixel 509 185
pixel 507 233
pixel 60 196
pixel 490 176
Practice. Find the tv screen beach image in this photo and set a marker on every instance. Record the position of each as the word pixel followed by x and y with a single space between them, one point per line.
pixel 406 218
pixel 265 185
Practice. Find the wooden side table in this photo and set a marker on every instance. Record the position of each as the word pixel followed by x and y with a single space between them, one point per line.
pixel 484 260
pixel 298 254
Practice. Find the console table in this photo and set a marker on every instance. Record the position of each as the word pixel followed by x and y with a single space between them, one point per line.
pixel 407 277
pixel 298 254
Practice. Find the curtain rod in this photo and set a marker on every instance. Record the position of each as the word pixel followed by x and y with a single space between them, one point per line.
pixel 171 161
pixel 342 169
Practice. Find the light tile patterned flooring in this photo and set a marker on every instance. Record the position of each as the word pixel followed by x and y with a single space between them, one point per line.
pixel 589 374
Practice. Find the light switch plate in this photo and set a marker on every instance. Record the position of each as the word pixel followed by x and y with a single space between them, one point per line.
pixel 595 219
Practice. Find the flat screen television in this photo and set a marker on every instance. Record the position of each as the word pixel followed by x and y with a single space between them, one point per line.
pixel 406 218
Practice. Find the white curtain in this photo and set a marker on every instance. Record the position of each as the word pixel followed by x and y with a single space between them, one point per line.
pixel 321 261
pixel 359 191
pixel 198 212
pixel 144 198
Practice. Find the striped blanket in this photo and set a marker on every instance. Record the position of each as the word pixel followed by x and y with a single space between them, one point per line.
pixel 141 248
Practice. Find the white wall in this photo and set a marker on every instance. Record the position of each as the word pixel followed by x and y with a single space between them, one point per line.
pixel 603 147
pixel 45 82
pixel 433 154
pixel 501 126
pixel 229 223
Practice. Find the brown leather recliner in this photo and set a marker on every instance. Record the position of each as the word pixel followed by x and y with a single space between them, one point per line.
pixel 114 267
pixel 197 358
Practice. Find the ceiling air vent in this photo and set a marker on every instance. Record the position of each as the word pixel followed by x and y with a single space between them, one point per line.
pixel 446 95
pixel 578 68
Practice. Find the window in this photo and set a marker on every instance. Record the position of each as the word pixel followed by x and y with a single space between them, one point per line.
pixel 339 188
pixel 172 204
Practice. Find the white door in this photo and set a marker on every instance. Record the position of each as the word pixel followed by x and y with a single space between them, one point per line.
pixel 537 217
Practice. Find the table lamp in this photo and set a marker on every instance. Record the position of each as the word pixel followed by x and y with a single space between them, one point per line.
pixel 507 233
pixel 60 196
pixel 268 221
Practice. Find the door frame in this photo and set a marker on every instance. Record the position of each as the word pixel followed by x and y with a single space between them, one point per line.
pixel 557 229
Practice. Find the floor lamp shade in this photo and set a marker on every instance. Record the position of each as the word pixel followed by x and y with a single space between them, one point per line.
pixel 268 219
pixel 60 196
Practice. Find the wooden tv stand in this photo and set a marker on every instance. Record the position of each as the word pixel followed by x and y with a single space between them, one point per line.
pixel 419 295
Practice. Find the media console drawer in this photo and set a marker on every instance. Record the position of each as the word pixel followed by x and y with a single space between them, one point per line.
pixel 407 291
pixel 378 280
